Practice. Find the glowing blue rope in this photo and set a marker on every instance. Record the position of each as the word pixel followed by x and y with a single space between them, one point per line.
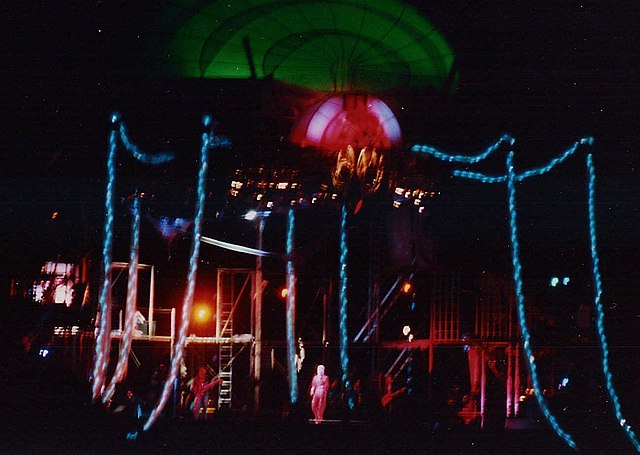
pixel 517 278
pixel 103 340
pixel 187 303
pixel 599 308
pixel 291 310
pixel 531 172
pixel 344 339
pixel 461 158
pixel 132 295
pixel 140 155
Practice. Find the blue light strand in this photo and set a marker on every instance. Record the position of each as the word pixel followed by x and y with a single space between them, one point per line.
pixel 468 159
pixel 103 339
pixel 479 176
pixel 132 296
pixel 597 281
pixel 529 173
pixel 555 161
pixel 344 339
pixel 291 309
pixel 138 154
pixel 187 303
pixel 517 278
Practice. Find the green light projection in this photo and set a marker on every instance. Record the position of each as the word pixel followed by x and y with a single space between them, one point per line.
pixel 332 45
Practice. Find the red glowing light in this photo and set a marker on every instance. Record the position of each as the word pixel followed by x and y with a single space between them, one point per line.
pixel 355 119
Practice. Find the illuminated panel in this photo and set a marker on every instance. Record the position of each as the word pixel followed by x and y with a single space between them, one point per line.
pixel 339 45
pixel 321 118
pixel 387 120
pixel 354 119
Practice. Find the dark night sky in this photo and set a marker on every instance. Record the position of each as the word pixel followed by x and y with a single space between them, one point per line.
pixel 546 72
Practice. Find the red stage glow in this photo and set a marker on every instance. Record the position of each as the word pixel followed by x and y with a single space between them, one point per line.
pixel 355 119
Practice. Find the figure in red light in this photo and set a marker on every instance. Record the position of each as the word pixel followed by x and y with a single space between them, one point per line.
pixel 319 391
pixel 200 388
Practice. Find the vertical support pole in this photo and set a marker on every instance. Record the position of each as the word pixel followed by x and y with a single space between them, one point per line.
pixel 173 331
pixel 152 294
pixel 257 345
pixel 509 355
pixel 516 381
pixel 483 384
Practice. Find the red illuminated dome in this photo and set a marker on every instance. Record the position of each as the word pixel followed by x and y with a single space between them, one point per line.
pixel 355 119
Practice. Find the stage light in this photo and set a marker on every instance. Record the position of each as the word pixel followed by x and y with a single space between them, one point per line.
pixel 251 215
pixel 202 313
pixel 406 330
pixel 565 281
pixel 554 281
pixel 284 292
pixel 407 287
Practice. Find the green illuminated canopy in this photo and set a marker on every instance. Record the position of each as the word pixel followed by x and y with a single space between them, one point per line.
pixel 331 45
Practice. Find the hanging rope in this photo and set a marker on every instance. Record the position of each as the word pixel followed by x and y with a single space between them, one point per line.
pixel 468 159
pixel 517 278
pixel 103 339
pixel 344 338
pixel 130 312
pixel 187 302
pixel 291 309
pixel 597 281
pixel 511 178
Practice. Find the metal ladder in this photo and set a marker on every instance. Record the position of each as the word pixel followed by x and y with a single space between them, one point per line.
pixel 233 286
pixel 224 328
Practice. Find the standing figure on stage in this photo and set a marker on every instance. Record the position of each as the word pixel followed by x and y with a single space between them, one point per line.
pixel 200 388
pixel 319 391
pixel 389 393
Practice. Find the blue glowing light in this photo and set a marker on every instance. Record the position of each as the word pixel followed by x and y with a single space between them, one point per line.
pixel 554 281
pixel 468 159
pixel 132 295
pixel 517 278
pixel 529 173
pixel 291 309
pixel 344 339
pixel 565 281
pixel 187 302
pixel 140 155
pixel 597 281
pixel 103 340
